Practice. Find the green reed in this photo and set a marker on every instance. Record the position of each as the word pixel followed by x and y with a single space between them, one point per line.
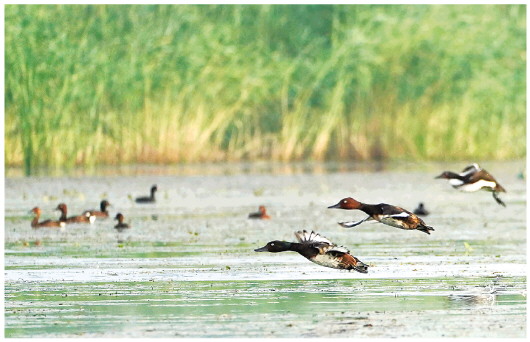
pixel 109 84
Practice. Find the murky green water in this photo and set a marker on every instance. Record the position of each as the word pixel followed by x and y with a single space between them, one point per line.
pixel 187 268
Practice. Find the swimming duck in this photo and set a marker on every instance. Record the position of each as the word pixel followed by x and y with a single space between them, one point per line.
pixel 120 226
pixel 319 250
pixel 148 199
pixel 420 210
pixel 474 178
pixel 102 213
pixel 48 223
pixel 384 213
pixel 261 214
pixel 85 218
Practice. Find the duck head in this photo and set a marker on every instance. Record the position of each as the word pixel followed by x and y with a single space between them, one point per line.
pixel 104 204
pixel 35 211
pixel 61 207
pixel 119 217
pixel 444 175
pixel 274 247
pixel 346 203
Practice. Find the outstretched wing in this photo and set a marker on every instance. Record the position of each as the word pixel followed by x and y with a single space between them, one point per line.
pixel 319 242
pixel 337 250
pixel 470 169
pixel 304 236
pixel 351 224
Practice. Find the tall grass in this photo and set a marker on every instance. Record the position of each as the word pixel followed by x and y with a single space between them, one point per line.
pixel 106 84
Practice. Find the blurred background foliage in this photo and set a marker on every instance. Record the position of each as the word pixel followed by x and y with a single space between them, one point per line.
pixel 112 84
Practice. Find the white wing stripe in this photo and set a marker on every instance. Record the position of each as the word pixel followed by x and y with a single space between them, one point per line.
pixel 402 214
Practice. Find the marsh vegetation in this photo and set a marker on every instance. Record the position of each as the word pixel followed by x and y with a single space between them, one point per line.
pixel 110 84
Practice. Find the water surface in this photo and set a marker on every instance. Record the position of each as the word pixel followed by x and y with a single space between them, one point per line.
pixel 187 268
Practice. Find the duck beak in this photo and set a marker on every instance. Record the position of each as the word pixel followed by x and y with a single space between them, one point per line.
pixel 361 269
pixel 262 249
pixel 440 176
pixel 335 206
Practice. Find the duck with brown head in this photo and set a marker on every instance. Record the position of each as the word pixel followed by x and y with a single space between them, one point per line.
pixel 121 225
pixel 85 218
pixel 261 214
pixel 385 213
pixel 47 223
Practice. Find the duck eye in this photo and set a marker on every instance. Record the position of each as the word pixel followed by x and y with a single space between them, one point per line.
pixel 272 244
pixel 344 201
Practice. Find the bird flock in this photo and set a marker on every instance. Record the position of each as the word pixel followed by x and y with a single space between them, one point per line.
pixel 88 216
pixel 312 245
pixel 322 251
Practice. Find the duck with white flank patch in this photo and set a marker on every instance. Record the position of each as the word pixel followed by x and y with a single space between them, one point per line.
pixel 85 218
pixel 384 213
pixel 474 178
pixel 100 213
pixel 319 250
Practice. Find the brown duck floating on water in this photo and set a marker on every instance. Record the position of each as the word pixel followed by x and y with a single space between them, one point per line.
pixel 384 213
pixel 85 218
pixel 100 213
pixel 261 214
pixel 474 178
pixel 47 223
pixel 319 250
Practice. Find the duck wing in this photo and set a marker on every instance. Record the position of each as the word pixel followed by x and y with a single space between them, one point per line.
pixel 480 175
pixel 470 169
pixel 394 212
pixel 319 242
pixel 303 236
pixel 351 224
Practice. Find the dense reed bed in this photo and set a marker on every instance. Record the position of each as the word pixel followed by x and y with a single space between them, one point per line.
pixel 111 84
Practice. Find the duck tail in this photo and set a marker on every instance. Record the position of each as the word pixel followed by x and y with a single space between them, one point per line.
pixel 425 229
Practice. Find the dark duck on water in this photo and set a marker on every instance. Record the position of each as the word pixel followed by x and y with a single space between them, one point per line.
pixel 385 213
pixel 420 210
pixel 148 199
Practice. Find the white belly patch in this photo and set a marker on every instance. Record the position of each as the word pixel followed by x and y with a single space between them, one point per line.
pixel 455 182
pixel 325 260
pixel 477 186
